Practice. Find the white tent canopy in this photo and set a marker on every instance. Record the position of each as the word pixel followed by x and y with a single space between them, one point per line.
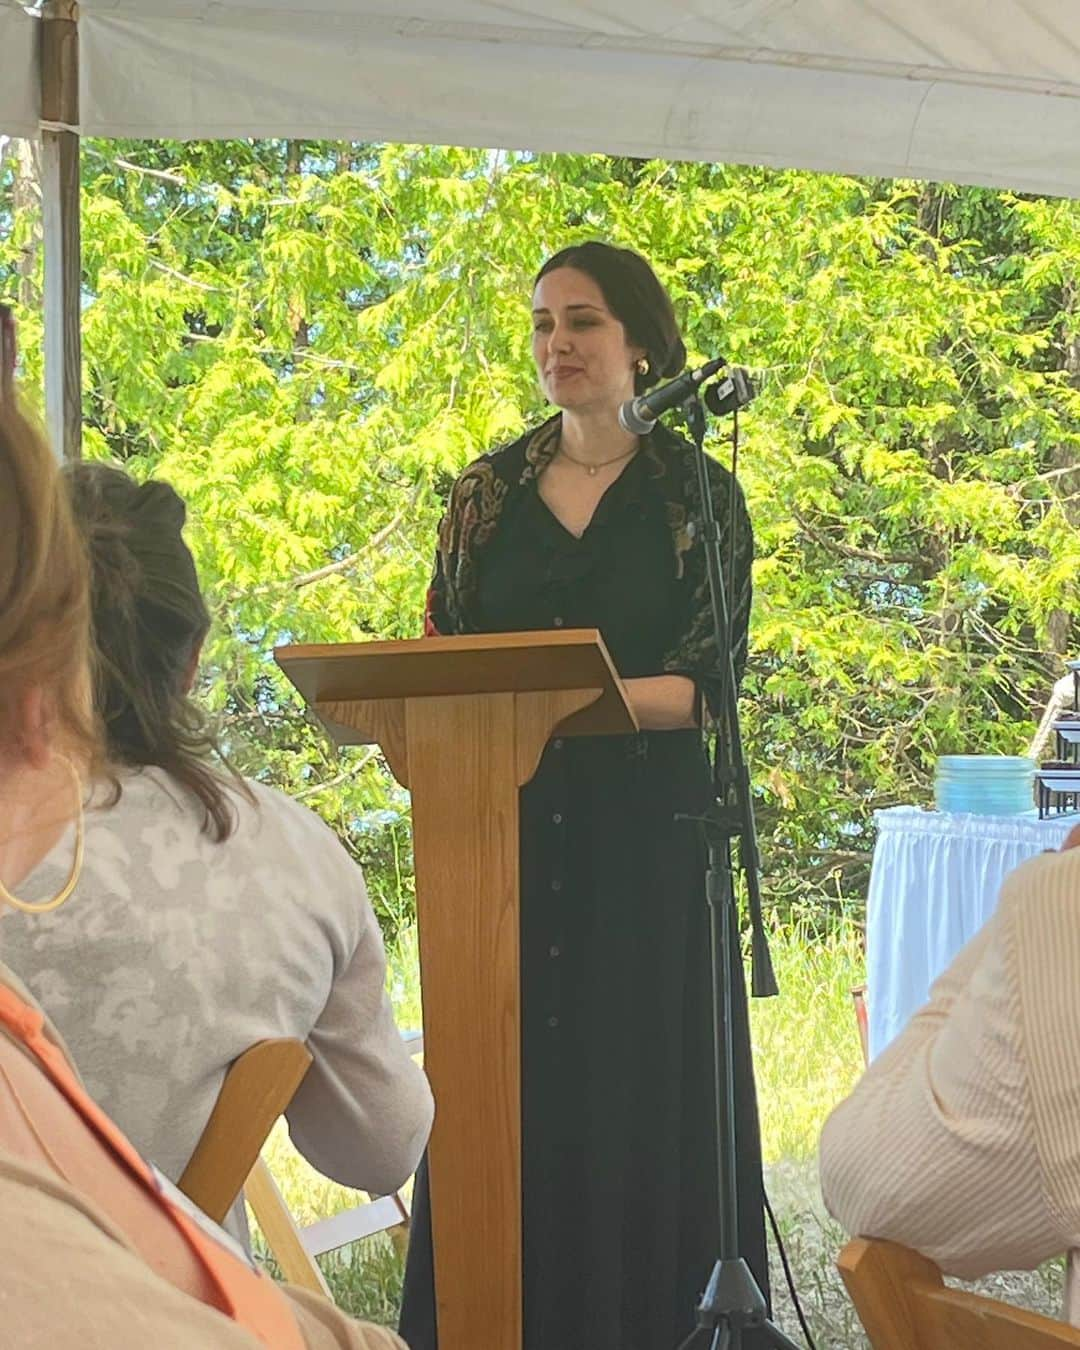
pixel 981 91
pixel 970 91
pixel 18 72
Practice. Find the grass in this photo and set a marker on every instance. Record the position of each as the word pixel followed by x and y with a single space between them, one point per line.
pixel 364 1278
pixel 806 1043
pixel 807 1057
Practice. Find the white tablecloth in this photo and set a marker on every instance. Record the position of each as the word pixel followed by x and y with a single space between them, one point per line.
pixel 934 883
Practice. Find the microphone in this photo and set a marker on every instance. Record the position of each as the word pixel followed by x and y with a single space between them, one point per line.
pixel 734 391
pixel 637 415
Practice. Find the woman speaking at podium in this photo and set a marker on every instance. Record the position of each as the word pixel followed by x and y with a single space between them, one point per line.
pixel 580 524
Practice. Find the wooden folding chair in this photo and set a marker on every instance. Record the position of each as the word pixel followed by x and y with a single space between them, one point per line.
pixel 283 1235
pixel 257 1089
pixel 904 1304
pixel 295 1248
pixel 860 1000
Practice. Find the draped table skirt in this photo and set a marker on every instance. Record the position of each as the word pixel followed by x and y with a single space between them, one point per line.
pixel 934 882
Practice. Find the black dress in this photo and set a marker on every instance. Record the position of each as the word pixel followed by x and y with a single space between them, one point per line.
pixel 618 1135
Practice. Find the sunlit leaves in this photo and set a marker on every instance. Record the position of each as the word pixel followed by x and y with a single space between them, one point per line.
pixel 311 340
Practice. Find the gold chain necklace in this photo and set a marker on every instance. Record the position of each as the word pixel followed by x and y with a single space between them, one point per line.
pixel 44 906
pixel 590 468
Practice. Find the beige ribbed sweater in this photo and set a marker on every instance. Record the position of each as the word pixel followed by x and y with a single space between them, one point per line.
pixel 962 1139
pixel 71 1281
pixel 71 1277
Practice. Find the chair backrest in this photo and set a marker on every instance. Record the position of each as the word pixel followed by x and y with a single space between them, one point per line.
pixel 295 1248
pixel 283 1237
pixel 862 1020
pixel 257 1089
pixel 904 1304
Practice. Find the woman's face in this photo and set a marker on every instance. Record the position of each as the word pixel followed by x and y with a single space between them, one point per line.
pixel 582 356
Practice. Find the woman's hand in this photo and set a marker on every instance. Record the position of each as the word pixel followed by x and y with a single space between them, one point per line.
pixel 663 702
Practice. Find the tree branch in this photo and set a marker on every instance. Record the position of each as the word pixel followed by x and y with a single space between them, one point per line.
pixel 165 177
pixel 331 363
pixel 851 551
pixel 1042 478
pixel 343 564
pixel 296 354
pixel 338 779
pixel 188 281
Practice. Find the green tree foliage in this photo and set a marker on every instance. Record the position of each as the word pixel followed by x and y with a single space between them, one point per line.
pixel 310 340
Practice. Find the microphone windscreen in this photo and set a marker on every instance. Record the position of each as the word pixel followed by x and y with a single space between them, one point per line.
pixel 631 420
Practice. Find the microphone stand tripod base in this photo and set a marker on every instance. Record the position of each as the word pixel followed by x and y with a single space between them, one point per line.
pixel 731 1304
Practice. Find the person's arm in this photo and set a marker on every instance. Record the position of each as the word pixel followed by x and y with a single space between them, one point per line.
pixel 663 702
pixel 363 1113
pixel 436 619
pixel 473 498
pixel 696 656
pixel 939 1147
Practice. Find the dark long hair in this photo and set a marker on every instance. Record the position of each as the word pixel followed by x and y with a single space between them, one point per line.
pixel 635 295
pixel 149 620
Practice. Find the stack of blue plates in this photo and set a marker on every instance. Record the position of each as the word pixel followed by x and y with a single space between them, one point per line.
pixel 985 785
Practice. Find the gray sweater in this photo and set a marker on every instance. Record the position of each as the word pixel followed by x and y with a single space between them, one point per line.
pixel 175 954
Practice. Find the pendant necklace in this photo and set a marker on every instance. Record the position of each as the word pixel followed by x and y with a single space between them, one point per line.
pixel 591 469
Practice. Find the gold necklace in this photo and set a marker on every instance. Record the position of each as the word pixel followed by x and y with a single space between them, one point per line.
pixel 44 906
pixel 591 468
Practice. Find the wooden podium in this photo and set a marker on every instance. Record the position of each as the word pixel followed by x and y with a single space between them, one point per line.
pixel 463 722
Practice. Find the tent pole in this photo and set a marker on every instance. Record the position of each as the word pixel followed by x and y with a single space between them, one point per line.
pixel 60 224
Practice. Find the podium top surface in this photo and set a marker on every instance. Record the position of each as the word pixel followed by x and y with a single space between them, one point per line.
pixel 480 663
pixel 475 663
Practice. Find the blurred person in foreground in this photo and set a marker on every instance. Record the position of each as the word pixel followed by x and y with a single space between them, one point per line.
pixel 96 1250
pixel 962 1140
pixel 213 912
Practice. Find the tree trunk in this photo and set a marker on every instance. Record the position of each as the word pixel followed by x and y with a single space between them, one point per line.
pixel 1067 487
pixel 26 205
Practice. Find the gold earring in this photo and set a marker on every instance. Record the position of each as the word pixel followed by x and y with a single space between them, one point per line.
pixel 641 365
pixel 44 906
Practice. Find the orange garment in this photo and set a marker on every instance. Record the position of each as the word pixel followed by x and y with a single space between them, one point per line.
pixel 247 1297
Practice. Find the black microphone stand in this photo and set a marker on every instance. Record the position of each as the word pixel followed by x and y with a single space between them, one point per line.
pixel 732 1302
